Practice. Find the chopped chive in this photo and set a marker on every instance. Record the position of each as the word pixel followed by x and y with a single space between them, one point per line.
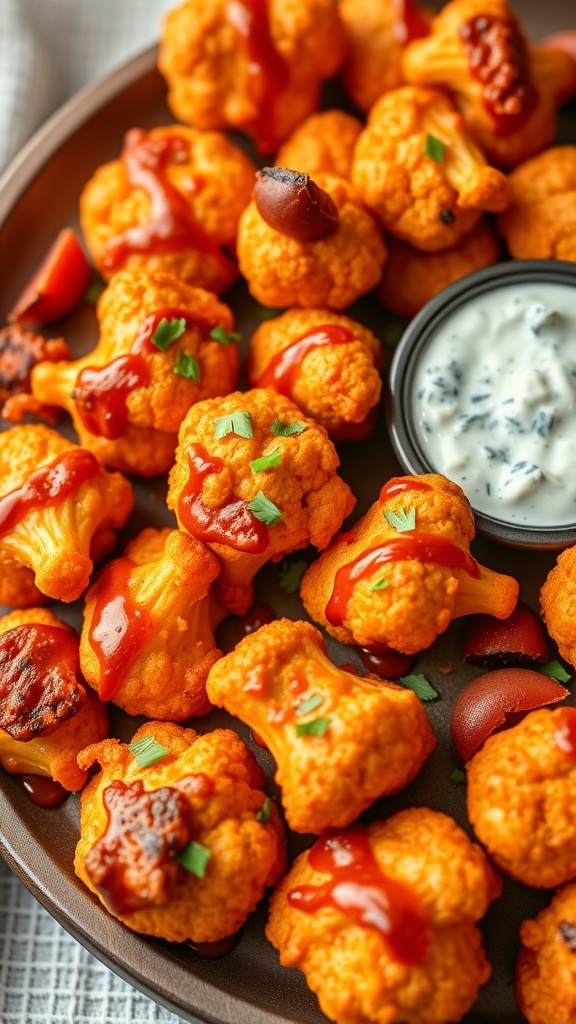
pixel 266 462
pixel 420 685
pixel 167 332
pixel 265 510
pixel 267 313
pixel 263 815
pixel 434 148
pixel 378 584
pixel 317 727
pixel 236 423
pixel 94 291
pixel 458 776
pixel 224 337
pixel 402 520
pixel 309 705
pixel 556 671
pixel 147 751
pixel 288 429
pixel 194 858
pixel 187 366
pixel 291 575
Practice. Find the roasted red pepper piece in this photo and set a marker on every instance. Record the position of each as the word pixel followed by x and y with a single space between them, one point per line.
pixel 57 286
pixel 521 639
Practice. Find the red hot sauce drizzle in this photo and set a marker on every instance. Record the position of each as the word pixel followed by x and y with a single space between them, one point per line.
pixel 400 485
pixel 361 891
pixel 410 23
pixel 283 369
pixel 498 59
pixel 48 486
pixel 565 735
pixel 119 626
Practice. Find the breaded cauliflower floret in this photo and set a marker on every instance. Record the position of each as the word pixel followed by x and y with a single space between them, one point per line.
pixel 202 802
pixel 545 982
pixel 340 741
pixel 158 663
pixel 254 479
pixel 558 604
pixel 256 66
pixel 405 571
pixel 520 798
pixel 168 204
pixel 58 512
pixel 322 144
pixel 46 715
pixel 419 172
pixel 507 90
pixel 331 271
pixel 128 397
pixel 328 364
pixel 420 963
pixel 540 222
pixel 411 277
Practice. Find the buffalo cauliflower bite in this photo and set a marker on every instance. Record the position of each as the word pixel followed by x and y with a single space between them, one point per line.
pixel 382 920
pixel 545 982
pixel 20 350
pixel 58 511
pixel 340 741
pixel 256 65
pixel 520 798
pixel 507 90
pixel 332 270
pixel 147 642
pixel 558 604
pixel 254 480
pixel 169 204
pixel 540 222
pixel 155 357
pixel 185 847
pixel 326 363
pixel 46 715
pixel 411 277
pixel 418 171
pixel 405 571
pixel 322 144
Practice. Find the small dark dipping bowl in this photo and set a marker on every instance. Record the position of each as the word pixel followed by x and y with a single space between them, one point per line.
pixel 412 345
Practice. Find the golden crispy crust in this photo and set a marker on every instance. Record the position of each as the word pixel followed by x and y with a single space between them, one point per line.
pixel 558 604
pixel 546 967
pixel 322 144
pixel 541 220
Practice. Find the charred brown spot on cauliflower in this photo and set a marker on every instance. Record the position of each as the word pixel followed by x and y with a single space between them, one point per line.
pixel 20 350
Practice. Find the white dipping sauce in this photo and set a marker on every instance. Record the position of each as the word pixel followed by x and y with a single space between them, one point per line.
pixel 494 400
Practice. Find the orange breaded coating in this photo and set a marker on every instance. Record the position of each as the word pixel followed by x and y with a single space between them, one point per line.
pixel 412 277
pixel 326 363
pixel 520 798
pixel 147 642
pixel 202 802
pixel 340 741
pixel 322 144
pixel 507 90
pixel 128 397
pixel 404 571
pixel 378 31
pixel 382 920
pixel 256 65
pixel 558 604
pixel 170 203
pixel 430 201
pixel 46 715
pixel 540 222
pixel 545 982
pixel 58 512
pixel 254 480
pixel 330 271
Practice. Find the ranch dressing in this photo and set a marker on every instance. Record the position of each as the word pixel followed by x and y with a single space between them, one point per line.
pixel 494 402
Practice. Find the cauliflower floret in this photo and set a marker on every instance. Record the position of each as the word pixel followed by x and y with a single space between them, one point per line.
pixel 246 511
pixel 204 799
pixel 421 964
pixel 520 799
pixel 157 664
pixel 58 511
pixel 419 172
pixel 546 967
pixel 330 271
pixel 326 363
pixel 404 571
pixel 558 604
pixel 20 350
pixel 507 90
pixel 411 277
pixel 540 222
pixel 129 395
pixel 254 66
pixel 46 715
pixel 322 144
pixel 340 741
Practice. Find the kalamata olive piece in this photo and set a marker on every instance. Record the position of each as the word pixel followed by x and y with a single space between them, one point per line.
pixel 293 204
pixel 482 706
pixel 520 640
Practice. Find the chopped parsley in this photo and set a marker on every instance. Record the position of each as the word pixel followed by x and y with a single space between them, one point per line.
pixel 236 423
pixel 287 429
pixel 265 510
pixel 458 776
pixel 402 520
pixel 556 671
pixel 317 727
pixel 267 313
pixel 420 685
pixel 266 462
pixel 94 291
pixel 291 575
pixel 187 366
pixel 263 815
pixel 167 332
pixel 309 705
pixel 147 751
pixel 194 858
pixel 434 148
pixel 378 584
pixel 393 332
pixel 224 337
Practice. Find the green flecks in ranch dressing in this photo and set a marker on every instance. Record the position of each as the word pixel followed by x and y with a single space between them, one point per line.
pixel 494 401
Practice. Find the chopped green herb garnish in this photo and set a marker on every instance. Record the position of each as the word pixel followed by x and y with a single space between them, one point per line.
pixel 287 429
pixel 267 313
pixel 317 727
pixel 167 332
pixel 291 575
pixel 147 751
pixel 236 423
pixel 194 858
pixel 420 685
pixel 393 333
pixel 94 291
pixel 263 815
pixel 434 148
pixel 224 337
pixel 187 366
pixel 458 776
pixel 378 584
pixel 309 705
pixel 266 462
pixel 556 671
pixel 265 510
pixel 402 520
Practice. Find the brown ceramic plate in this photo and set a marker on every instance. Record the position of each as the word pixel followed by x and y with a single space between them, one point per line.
pixel 38 195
